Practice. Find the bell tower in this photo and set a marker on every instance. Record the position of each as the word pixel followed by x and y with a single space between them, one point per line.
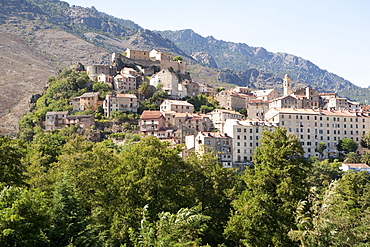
pixel 287 84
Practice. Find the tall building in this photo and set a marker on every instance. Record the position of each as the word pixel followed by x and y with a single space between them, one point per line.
pixel 287 85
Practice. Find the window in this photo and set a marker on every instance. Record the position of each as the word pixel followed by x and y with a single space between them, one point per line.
pixel 328 132
pixel 238 130
pixel 238 144
pixel 238 137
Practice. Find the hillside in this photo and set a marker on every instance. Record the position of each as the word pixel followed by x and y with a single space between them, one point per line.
pixel 40 37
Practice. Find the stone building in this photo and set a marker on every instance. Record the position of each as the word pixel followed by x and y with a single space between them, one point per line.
pixel 219 142
pixel 86 101
pixel 120 102
pixel 55 120
pixel 179 106
pixel 219 117
pixel 312 126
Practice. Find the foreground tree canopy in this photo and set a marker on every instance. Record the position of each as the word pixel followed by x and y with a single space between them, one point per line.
pixel 58 189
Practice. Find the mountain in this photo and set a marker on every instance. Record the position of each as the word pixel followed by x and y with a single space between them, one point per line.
pixel 40 37
pixel 241 58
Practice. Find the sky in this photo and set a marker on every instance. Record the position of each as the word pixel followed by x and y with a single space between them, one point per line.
pixel 333 34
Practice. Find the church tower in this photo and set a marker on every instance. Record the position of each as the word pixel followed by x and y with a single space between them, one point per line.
pixel 287 84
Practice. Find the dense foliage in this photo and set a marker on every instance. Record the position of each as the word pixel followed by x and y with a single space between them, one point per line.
pixel 60 189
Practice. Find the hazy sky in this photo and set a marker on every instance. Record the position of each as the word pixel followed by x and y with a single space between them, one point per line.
pixel 333 34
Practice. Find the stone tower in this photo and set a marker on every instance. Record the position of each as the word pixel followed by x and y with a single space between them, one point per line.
pixel 287 84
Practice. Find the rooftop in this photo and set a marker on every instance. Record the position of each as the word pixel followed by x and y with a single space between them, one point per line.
pixel 151 115
pixel 177 102
pixel 356 165
pixel 89 94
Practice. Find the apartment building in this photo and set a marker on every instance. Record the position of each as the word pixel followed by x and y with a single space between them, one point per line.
pixel 198 122
pixel 120 102
pixel 220 142
pixel 168 80
pixel 312 126
pixel 125 83
pixel 219 117
pixel 245 137
pixel 179 106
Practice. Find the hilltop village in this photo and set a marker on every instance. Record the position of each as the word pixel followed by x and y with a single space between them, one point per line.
pixel 232 129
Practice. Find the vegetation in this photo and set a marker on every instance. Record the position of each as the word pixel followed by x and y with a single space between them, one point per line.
pixel 58 189
pixel 203 103
pixel 347 145
pixel 273 189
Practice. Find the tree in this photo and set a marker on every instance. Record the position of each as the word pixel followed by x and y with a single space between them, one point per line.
pixel 183 228
pixel 347 145
pixel 145 90
pixel 320 148
pixel 69 221
pixel 208 102
pixel 365 158
pixel 264 212
pixel 23 217
pixel 214 188
pixel 352 158
pixel 365 140
pixel 340 217
pixel 11 166
pixel 219 89
pixel 322 173
pixel 177 58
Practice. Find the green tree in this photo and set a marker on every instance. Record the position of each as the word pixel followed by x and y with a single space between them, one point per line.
pixel 184 228
pixel 320 148
pixel 365 158
pixel 340 218
pixel 177 58
pixel 219 89
pixel 264 212
pixel 69 221
pixel 145 90
pixel 150 173
pixel 11 166
pixel 101 87
pixel 347 145
pixel 352 158
pixel 214 187
pixel 365 140
pixel 322 173
pixel 23 217
pixel 199 101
